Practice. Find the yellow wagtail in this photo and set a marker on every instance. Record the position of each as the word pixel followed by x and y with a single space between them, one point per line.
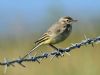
pixel 55 34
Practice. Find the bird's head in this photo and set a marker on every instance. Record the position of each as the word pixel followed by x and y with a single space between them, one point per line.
pixel 67 20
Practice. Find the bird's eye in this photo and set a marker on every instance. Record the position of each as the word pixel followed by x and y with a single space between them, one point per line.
pixel 67 20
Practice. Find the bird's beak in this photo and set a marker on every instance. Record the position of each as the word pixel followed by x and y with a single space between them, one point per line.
pixel 75 20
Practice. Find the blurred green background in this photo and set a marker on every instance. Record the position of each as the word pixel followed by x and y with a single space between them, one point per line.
pixel 24 21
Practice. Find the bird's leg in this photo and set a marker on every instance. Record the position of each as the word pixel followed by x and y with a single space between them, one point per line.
pixel 58 50
pixel 53 47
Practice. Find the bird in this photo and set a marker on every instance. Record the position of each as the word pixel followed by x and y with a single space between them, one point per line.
pixel 58 32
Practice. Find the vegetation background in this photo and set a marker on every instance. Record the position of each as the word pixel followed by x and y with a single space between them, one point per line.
pixel 23 21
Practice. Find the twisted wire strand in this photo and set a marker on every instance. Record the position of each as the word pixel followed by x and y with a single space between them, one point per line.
pixel 52 54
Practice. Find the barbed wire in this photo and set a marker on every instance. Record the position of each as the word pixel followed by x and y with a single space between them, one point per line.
pixel 53 54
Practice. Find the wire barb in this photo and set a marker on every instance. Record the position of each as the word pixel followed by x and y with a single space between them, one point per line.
pixel 6 66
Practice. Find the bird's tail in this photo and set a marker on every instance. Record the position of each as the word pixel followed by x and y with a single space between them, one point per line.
pixel 31 50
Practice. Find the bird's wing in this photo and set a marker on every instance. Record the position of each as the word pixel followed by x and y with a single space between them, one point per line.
pixel 43 38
